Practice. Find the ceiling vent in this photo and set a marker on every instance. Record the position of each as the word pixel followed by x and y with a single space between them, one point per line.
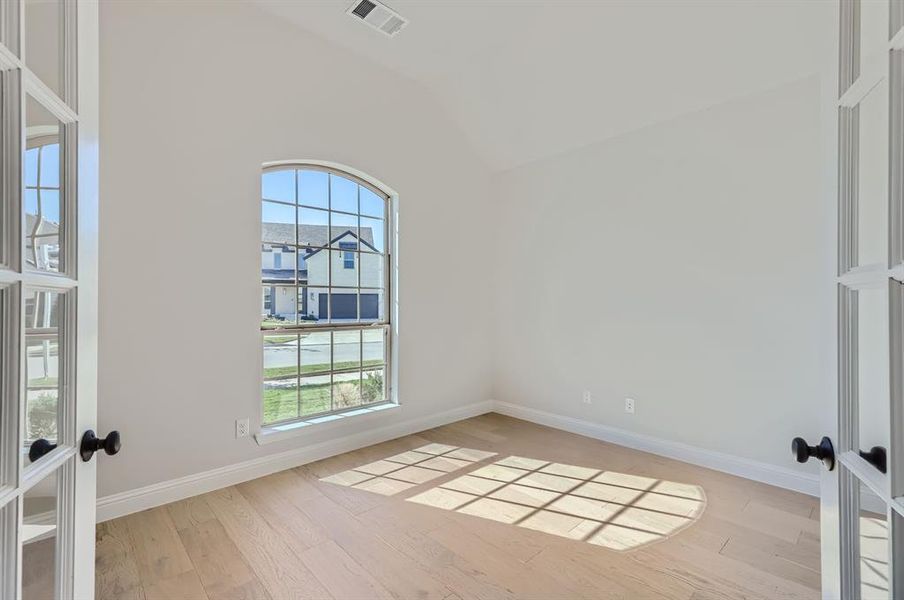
pixel 379 16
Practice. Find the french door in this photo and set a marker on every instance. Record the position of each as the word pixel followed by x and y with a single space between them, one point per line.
pixel 48 296
pixel 863 495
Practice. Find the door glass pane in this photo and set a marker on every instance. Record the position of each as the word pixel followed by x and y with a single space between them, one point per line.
pixel 6 243
pixel 8 549
pixel 873 360
pixel 872 184
pixel 43 193
pixel 873 538
pixel 873 29
pixel 39 539
pixel 43 316
pixel 9 400
pixel 43 41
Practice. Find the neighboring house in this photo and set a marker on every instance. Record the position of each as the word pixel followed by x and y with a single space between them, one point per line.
pixel 316 274
pixel 42 243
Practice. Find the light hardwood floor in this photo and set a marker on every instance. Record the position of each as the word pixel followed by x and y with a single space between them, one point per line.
pixel 490 507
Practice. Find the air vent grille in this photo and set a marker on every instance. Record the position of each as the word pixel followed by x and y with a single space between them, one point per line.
pixel 363 8
pixel 378 16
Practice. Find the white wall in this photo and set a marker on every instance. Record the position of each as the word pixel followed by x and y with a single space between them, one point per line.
pixel 194 99
pixel 688 266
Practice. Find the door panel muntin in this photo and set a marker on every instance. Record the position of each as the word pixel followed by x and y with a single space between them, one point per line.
pixel 17 82
pixel 868 61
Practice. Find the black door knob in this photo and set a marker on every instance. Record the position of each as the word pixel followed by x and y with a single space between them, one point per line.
pixel 91 444
pixel 876 457
pixel 39 448
pixel 824 451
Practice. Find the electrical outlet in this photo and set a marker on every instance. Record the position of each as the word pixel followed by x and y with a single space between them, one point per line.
pixel 242 428
pixel 629 405
pixel 587 398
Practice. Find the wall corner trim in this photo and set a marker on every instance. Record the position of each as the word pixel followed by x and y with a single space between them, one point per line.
pixel 778 476
pixel 164 492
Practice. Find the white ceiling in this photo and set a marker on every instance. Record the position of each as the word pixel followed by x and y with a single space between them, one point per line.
pixel 528 80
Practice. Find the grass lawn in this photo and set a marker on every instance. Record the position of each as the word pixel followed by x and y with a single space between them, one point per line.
pixel 278 323
pixel 277 372
pixel 281 404
pixel 273 323
pixel 271 340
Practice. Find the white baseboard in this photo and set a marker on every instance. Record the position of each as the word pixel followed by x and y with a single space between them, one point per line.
pixel 742 467
pixel 164 492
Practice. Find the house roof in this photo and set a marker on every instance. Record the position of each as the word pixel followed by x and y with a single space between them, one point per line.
pixel 313 235
pixel 342 235
pixel 308 235
pixel 281 276
pixel 46 227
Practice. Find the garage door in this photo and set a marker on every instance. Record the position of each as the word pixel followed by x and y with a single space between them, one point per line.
pixel 345 306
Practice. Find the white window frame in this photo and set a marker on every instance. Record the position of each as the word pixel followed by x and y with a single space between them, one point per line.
pixel 271 432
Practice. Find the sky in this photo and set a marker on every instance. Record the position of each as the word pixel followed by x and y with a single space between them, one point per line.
pixel 50 178
pixel 318 191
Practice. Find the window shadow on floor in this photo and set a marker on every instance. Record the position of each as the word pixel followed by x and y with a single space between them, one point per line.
pixel 614 510
pixel 873 555
pixel 400 472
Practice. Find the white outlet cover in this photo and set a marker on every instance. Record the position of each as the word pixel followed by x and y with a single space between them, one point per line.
pixel 242 428
pixel 587 397
pixel 629 405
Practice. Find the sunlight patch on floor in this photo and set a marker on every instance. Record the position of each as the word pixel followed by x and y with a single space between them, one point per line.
pixel 873 557
pixel 619 511
pixel 614 510
pixel 397 473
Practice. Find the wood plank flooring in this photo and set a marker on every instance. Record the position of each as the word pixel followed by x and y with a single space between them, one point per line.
pixel 490 507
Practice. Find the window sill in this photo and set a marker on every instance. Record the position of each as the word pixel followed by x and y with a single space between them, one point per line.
pixel 277 433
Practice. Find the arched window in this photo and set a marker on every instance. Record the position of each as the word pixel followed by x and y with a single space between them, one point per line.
pixel 325 265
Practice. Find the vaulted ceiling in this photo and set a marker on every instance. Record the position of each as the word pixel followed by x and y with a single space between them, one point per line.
pixel 531 79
